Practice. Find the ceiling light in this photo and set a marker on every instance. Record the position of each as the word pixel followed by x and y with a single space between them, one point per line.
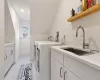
pixel 22 10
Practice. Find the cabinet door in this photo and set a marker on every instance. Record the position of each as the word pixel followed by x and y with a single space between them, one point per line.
pixel 8 58
pixel 5 63
pixel 56 70
pixel 69 75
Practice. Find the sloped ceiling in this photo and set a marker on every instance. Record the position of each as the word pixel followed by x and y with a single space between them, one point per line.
pixel 19 5
pixel 42 15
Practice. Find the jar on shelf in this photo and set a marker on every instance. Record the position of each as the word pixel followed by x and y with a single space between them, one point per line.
pixel 84 5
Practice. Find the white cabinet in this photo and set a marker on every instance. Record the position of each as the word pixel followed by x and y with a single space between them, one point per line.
pixel 70 68
pixel 53 69
pixel 69 75
pixel 83 71
pixel 9 57
pixel 57 55
pixel 56 70
pixel 59 72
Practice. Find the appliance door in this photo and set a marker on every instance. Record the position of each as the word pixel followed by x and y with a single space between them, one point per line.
pixel 8 58
pixel 38 63
pixel 34 52
pixel 38 59
pixel 35 56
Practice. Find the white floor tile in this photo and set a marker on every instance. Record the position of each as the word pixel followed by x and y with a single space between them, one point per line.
pixel 34 73
pixel 14 71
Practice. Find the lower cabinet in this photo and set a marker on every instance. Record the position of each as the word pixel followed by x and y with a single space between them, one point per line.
pixel 82 70
pixel 69 75
pixel 56 70
pixel 64 67
pixel 59 72
pixel 8 58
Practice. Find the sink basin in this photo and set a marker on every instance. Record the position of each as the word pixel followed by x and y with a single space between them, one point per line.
pixel 76 51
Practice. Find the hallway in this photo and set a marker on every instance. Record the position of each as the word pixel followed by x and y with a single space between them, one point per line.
pixel 14 71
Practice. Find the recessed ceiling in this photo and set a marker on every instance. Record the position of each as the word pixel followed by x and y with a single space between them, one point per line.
pixel 22 8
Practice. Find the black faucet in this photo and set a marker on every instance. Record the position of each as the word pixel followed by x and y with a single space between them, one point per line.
pixel 84 44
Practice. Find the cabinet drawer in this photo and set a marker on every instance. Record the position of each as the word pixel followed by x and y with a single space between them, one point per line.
pixel 83 71
pixel 57 55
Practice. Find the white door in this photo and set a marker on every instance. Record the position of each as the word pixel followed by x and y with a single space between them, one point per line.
pixel 69 75
pixel 56 70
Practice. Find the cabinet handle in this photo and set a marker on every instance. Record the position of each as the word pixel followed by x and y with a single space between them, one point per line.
pixel 65 75
pixel 5 58
pixel 60 72
pixel 38 59
pixel 39 63
pixel 34 53
pixel 11 52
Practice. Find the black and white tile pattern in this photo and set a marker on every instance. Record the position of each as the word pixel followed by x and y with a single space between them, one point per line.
pixel 25 72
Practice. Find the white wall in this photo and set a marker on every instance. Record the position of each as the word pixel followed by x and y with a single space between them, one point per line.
pixel 91 24
pixel 42 15
pixel 24 41
pixel 16 23
pixel 24 23
pixel 9 28
pixel 2 27
pixel 60 24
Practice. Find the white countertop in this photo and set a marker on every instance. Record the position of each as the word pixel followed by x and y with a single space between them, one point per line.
pixel 46 42
pixel 7 44
pixel 92 60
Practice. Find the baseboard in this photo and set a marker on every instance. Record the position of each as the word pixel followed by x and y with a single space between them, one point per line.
pixel 9 69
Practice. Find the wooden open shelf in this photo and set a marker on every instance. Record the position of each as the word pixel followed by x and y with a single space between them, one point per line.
pixel 89 11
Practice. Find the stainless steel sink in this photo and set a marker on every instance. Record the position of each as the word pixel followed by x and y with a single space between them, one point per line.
pixel 76 51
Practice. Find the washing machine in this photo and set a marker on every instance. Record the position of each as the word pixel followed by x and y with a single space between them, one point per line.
pixel 43 59
pixel 35 54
